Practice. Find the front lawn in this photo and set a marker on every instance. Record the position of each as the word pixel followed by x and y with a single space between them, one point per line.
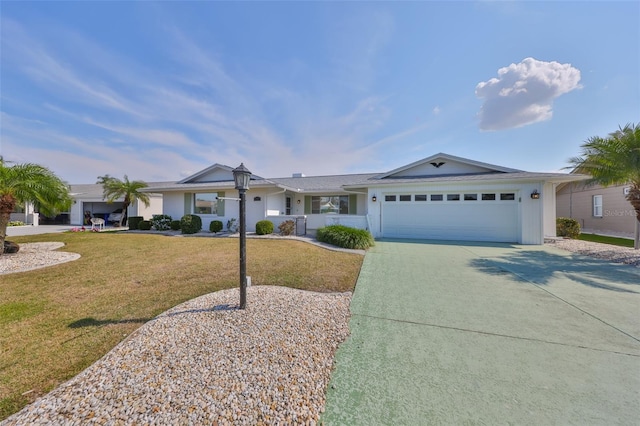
pixel 623 242
pixel 56 321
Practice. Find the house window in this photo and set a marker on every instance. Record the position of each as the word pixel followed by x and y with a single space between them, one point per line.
pixel 332 204
pixel 288 206
pixel 453 197
pixel 471 197
pixel 420 197
pixel 507 196
pixel 206 203
pixel 597 205
pixel 389 197
pixel 405 198
pixel 488 197
pixel 436 197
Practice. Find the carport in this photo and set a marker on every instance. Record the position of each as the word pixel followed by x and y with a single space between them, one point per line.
pixel 488 333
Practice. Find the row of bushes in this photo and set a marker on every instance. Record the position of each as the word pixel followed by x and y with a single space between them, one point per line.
pixel 191 224
pixel 338 235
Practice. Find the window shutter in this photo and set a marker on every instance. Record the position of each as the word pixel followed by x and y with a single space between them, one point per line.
pixel 187 202
pixel 220 204
pixel 353 203
pixel 307 204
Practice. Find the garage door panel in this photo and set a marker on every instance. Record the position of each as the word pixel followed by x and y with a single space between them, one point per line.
pixel 451 221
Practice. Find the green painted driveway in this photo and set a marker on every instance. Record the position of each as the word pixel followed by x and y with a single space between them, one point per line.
pixel 482 333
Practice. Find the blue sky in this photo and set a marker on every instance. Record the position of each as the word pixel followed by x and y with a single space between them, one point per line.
pixel 159 91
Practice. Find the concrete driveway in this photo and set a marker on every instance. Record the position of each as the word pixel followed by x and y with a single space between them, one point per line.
pixel 481 333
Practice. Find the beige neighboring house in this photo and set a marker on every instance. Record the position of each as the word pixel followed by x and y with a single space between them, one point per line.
pixel 598 209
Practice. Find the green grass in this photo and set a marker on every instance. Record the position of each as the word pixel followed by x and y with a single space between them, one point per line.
pixel 623 242
pixel 57 321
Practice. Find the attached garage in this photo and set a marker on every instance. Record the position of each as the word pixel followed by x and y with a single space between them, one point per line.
pixel 478 216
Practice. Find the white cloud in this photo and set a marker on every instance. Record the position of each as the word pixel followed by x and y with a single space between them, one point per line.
pixel 524 93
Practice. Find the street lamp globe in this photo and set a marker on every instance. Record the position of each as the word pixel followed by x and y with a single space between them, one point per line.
pixel 242 176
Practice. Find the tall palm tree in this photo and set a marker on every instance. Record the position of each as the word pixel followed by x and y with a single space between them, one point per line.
pixel 29 182
pixel 614 160
pixel 114 188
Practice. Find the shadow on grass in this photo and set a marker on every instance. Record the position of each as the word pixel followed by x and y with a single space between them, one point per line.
pixel 540 267
pixel 92 322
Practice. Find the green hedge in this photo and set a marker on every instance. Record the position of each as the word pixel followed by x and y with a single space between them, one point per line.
pixel 175 225
pixel 346 237
pixel 215 226
pixel 190 224
pixel 134 221
pixel 567 227
pixel 144 225
pixel 264 227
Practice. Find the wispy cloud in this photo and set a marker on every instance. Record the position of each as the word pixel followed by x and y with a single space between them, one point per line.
pixel 128 119
pixel 523 93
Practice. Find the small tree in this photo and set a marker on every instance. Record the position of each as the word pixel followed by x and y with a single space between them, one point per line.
pixel 114 189
pixel 614 160
pixel 30 183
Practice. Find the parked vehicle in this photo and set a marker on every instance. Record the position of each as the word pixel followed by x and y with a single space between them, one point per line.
pixel 115 216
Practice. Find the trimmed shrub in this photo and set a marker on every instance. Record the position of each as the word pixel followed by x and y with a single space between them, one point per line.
pixel 567 227
pixel 264 227
pixel 175 225
pixel 144 225
pixel 215 226
pixel 232 225
pixel 346 237
pixel 15 223
pixel 287 227
pixel 161 222
pixel 190 224
pixel 134 221
pixel 11 247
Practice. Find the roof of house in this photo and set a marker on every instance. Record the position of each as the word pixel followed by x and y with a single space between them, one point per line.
pixel 428 171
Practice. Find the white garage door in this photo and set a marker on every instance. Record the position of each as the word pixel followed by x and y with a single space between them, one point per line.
pixel 482 216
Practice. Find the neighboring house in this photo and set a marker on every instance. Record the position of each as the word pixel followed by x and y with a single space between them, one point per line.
pixel 598 209
pixel 439 197
pixel 89 198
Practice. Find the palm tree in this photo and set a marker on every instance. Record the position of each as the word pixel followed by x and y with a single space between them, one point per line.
pixel 614 160
pixel 28 182
pixel 114 188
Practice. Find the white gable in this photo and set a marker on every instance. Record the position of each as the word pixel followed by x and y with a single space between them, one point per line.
pixel 215 173
pixel 444 164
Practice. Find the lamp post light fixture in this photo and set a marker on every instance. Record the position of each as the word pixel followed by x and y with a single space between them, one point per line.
pixel 242 176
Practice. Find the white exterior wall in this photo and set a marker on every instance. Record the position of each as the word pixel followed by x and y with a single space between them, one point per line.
pixel 531 215
pixel 155 207
pixel 549 206
pixel 173 204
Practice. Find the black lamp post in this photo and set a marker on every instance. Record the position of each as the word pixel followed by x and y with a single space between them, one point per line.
pixel 242 176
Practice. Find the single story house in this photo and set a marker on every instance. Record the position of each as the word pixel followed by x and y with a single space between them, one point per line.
pixel 598 209
pixel 439 197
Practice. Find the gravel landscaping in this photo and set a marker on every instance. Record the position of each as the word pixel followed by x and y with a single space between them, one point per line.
pixel 608 252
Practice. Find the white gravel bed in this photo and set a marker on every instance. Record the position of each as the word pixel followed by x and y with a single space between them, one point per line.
pixel 33 256
pixel 207 362
pixel 608 252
